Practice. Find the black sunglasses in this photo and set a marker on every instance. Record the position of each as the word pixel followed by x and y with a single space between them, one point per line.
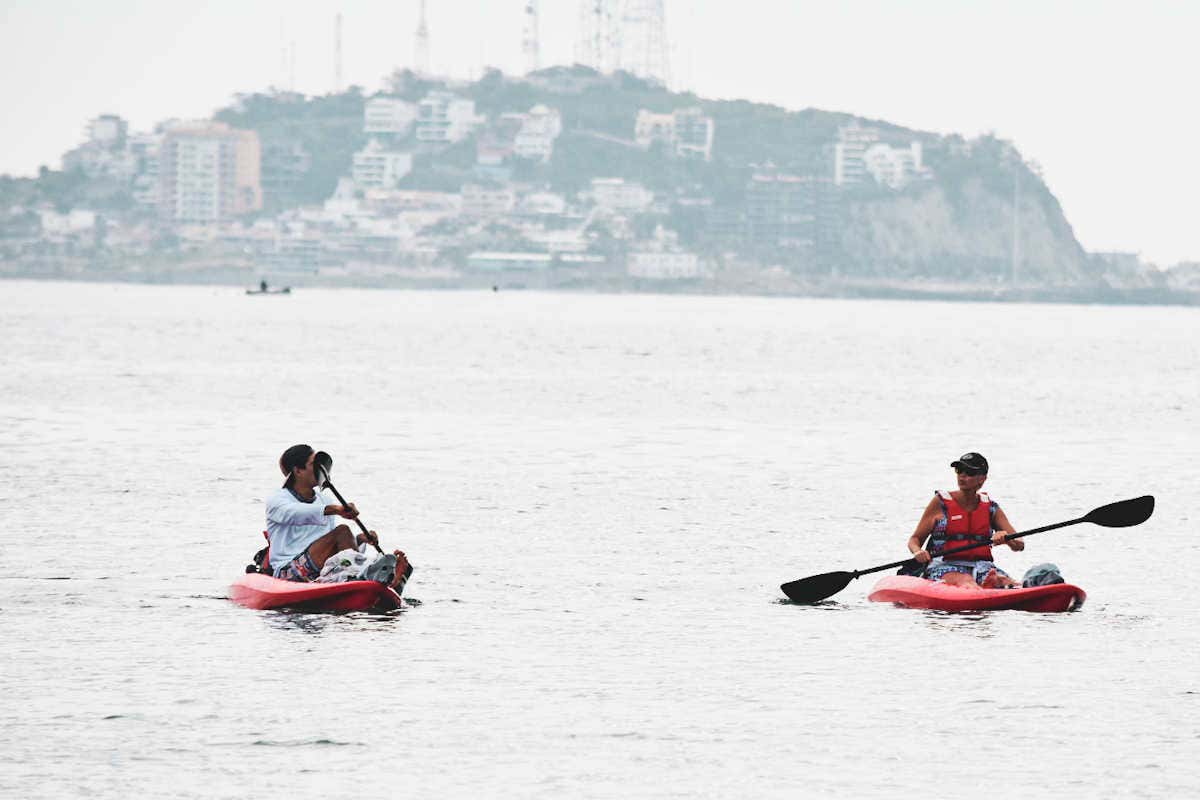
pixel 969 471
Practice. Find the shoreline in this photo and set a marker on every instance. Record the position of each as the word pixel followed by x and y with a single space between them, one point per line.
pixel 857 289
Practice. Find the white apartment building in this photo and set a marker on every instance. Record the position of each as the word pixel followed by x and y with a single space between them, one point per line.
pixel 482 201
pixel 557 240
pixel 617 194
pixel 144 149
pixel 388 115
pixel 893 167
pixel 73 222
pixel 445 118
pixel 499 261
pixel 208 172
pixel 687 131
pixel 853 141
pixel 543 204
pixel 664 265
pixel 693 134
pixel 343 204
pixel 376 167
pixel 107 130
pixel 95 160
pixel 540 128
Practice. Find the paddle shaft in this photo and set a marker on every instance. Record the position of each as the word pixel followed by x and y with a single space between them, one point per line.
pixel 342 500
pixel 965 548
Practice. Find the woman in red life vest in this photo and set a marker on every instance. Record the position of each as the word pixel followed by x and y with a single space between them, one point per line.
pixel 959 518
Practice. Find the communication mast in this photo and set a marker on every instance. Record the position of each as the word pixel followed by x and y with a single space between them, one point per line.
pixel 422 45
pixel 337 54
pixel 646 52
pixel 530 44
pixel 599 43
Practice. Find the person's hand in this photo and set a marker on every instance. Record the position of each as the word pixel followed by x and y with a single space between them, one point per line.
pixel 348 511
pixel 922 556
pixel 370 537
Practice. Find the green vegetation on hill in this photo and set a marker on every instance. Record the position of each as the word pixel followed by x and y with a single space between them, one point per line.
pixel 327 128
pixel 956 225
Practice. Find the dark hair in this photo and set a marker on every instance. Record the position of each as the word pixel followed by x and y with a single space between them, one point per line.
pixel 295 456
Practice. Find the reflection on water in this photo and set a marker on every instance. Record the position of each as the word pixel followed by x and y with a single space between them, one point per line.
pixel 976 623
pixel 821 605
pixel 319 623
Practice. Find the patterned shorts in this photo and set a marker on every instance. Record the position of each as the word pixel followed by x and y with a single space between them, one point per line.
pixel 301 568
pixel 978 570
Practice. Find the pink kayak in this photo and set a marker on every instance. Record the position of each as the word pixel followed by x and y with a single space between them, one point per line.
pixel 920 593
pixel 254 590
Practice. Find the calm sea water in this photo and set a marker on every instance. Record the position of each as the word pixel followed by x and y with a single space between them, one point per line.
pixel 601 495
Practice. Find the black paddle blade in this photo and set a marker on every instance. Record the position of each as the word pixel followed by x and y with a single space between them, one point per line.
pixel 1123 514
pixel 817 587
pixel 322 463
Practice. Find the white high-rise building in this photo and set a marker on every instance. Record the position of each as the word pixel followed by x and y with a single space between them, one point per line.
pixel 445 117
pixel 693 134
pixel 852 144
pixel 376 167
pixel 539 130
pixel 388 115
pixel 891 166
pixel 208 172
pixel 663 265
pixel 688 132
pixel 107 130
pixel 144 148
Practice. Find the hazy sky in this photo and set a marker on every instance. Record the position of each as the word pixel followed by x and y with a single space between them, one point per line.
pixel 1101 93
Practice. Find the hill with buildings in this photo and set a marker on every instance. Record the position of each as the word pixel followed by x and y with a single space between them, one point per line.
pixel 566 177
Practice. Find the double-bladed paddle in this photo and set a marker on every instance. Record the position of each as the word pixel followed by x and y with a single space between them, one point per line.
pixel 1123 514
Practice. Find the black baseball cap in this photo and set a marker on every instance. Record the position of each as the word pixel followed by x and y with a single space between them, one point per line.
pixel 295 456
pixel 971 462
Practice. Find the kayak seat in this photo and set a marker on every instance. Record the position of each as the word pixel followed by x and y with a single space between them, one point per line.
pixel 262 559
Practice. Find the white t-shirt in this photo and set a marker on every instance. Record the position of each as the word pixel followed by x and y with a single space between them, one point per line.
pixel 292 524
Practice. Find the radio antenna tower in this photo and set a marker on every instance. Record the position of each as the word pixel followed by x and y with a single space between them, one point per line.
pixel 337 54
pixel 646 53
pixel 422 48
pixel 599 43
pixel 530 44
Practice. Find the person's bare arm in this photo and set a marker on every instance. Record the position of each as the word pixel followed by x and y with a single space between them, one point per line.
pixel 1004 528
pixel 916 542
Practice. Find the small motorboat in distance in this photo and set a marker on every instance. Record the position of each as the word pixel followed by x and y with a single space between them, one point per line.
pixel 263 288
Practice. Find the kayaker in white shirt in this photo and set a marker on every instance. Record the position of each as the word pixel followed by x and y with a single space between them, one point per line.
pixel 301 524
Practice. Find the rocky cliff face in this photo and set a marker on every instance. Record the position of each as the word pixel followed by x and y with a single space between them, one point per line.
pixel 962 232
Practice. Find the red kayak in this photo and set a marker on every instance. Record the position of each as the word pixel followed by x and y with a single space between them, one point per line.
pixel 254 590
pixel 920 593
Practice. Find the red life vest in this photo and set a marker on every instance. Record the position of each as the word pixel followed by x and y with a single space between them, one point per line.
pixel 963 527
